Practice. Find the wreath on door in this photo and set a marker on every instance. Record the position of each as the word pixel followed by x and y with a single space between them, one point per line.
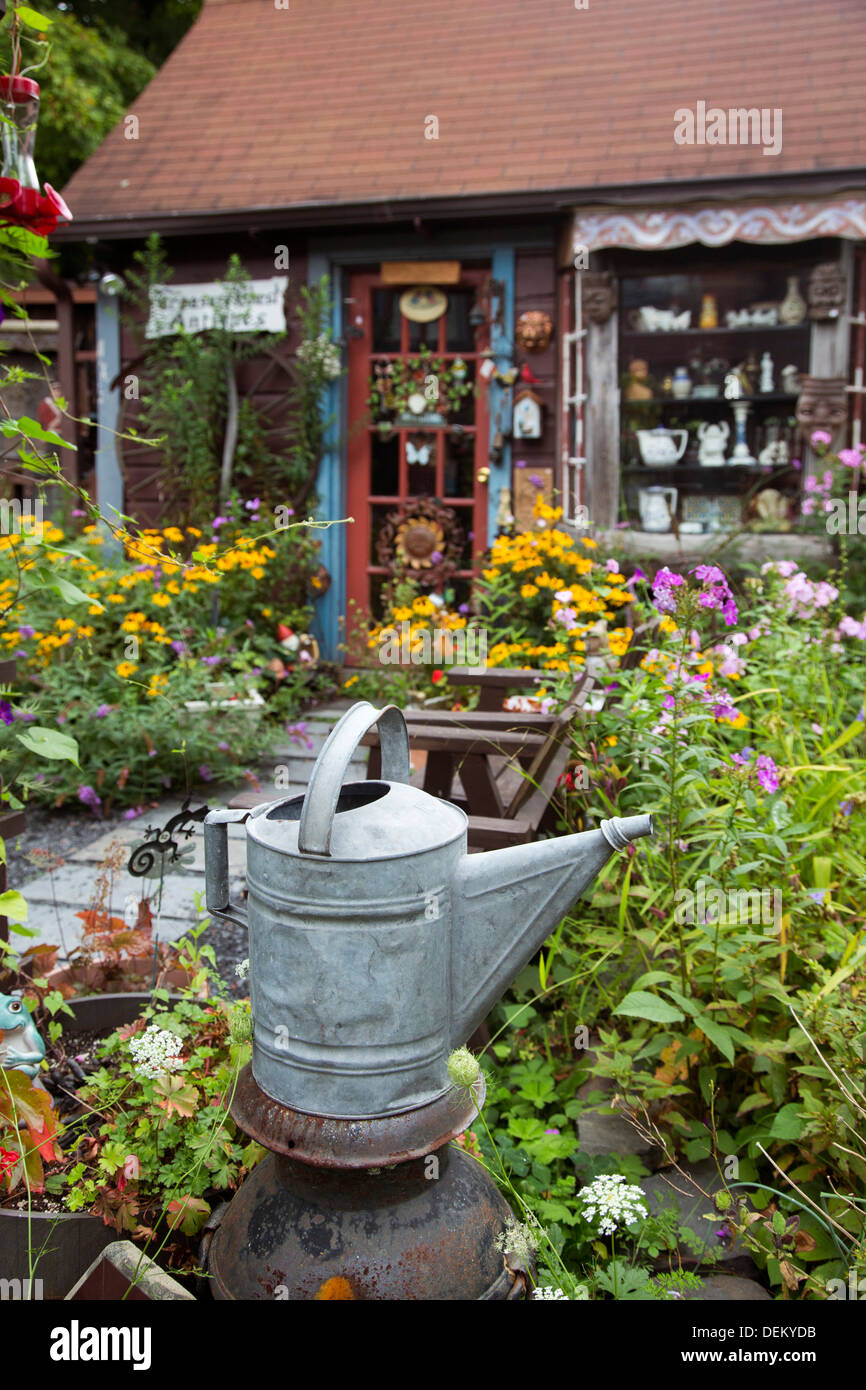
pixel 422 540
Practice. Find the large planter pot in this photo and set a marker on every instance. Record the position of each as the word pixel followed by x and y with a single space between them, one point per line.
pixel 135 975
pixel 69 1241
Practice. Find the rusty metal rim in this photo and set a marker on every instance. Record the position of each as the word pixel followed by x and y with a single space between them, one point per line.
pixel 327 1142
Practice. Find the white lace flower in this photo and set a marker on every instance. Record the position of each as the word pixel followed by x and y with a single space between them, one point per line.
pixel 243 969
pixel 322 353
pixel 609 1202
pixel 155 1051
pixel 549 1293
pixel 518 1240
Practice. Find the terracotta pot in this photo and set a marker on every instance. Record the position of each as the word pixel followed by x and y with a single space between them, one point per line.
pixel 135 974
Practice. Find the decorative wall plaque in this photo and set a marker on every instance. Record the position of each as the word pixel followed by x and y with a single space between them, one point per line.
pixel 826 291
pixel 822 405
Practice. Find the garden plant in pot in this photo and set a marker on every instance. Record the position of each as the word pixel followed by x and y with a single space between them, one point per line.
pixel 123 1131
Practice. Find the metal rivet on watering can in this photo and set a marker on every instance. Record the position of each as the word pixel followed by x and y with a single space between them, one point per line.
pixel 377 945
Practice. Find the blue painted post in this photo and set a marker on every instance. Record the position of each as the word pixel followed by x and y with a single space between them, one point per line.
pixel 330 483
pixel 109 480
pixel 501 398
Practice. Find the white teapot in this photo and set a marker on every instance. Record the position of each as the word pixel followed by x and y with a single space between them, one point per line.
pixel 713 441
pixel 659 448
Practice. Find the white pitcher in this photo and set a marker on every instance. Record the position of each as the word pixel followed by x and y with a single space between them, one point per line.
pixel 657 507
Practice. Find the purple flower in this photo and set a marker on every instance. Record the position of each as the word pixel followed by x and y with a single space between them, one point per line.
pixel 821 437
pixel 254 505
pixel 6 712
pixel 133 812
pixel 664 585
pixel 224 747
pixel 151 753
pixel 768 773
pixel 818 894
pixel 669 702
pixel 742 759
pixel 552 1131
pixel 205 773
pixel 89 797
pixel 26 631
pixel 220 521
pixel 535 480
pixel 211 660
pixel 101 711
pixel 21 653
pixel 77 512
pixel 846 807
pixel 179 648
pixel 436 557
pixel 521 463
pixel 852 458
pixel 62 718
pixel 464 608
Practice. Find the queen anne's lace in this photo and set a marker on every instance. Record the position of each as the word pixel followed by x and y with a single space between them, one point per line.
pixel 609 1202
pixel 549 1294
pixel 155 1051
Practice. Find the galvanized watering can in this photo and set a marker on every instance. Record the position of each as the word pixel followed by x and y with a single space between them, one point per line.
pixel 377 944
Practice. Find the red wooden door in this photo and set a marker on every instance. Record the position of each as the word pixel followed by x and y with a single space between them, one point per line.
pixel 396 465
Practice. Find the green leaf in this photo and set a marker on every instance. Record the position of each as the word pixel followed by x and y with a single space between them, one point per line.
pixel 787 1123
pixel 718 1035
pixel 754 1102
pixel 33 18
pixel 31 429
pixel 640 1004
pixel 70 593
pixel 13 905
pixel 50 743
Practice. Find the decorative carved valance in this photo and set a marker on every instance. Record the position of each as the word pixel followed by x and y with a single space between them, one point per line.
pixel 658 229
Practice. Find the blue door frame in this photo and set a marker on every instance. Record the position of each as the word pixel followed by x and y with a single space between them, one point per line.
pixel 333 259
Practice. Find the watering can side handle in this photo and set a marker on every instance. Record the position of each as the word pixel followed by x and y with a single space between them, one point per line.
pixel 216 864
pixel 323 792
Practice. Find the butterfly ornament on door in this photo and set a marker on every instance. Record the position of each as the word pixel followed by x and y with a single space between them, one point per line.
pixel 419 451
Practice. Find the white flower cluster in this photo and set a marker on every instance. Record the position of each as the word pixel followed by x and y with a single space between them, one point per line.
pixel 518 1240
pixel 611 1204
pixel 549 1293
pixel 155 1051
pixel 322 353
pixel 242 971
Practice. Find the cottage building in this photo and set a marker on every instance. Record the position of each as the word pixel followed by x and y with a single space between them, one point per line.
pixel 634 230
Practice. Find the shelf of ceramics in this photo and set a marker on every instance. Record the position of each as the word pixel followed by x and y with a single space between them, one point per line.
pixel 718 332
pixel 768 398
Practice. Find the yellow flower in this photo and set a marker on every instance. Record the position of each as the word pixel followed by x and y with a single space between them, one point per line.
pixel 667 624
pixel 350 681
pixel 172 533
pixel 612 741
pixel 157 681
pixel 115 598
pixel 193 531
pixel 266 612
pixel 161 600
pixel 64 624
pixel 126 668
pixel 528 591
pixel 173 587
pixel 258 572
pixel 85 632
pixel 590 545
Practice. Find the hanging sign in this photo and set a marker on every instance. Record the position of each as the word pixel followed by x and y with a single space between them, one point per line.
pixel 194 307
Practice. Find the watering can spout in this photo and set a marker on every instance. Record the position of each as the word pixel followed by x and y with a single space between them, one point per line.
pixel 506 903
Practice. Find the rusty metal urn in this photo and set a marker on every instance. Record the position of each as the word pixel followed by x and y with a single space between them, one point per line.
pixel 377 945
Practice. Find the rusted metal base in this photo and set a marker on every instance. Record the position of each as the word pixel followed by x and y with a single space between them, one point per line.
pixel 325 1142
pixel 424 1229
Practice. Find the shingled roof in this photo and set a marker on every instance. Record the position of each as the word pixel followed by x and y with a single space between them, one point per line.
pixel 325 102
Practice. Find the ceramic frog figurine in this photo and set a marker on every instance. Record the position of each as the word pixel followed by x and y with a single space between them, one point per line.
pixel 21 1046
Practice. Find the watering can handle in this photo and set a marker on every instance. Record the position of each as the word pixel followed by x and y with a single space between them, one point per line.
pixel 323 792
pixel 216 864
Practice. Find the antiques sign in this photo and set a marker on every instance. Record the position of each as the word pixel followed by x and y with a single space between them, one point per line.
pixel 194 307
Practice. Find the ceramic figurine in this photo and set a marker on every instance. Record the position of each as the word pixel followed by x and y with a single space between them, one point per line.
pixel 790 379
pixel 21 1045
pixel 709 312
pixel 792 309
pixel 713 442
pixel 504 514
pixel 766 373
pixel 681 386
pixel 638 387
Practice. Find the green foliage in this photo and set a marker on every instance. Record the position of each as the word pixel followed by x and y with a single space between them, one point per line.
pixel 152 28
pixel 167 1145
pixel 87 80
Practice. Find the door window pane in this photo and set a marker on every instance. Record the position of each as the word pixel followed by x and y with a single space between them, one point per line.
pixel 386 321
pixel 459 480
pixel 384 465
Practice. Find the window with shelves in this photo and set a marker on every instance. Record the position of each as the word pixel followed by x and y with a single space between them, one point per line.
pixel 710 353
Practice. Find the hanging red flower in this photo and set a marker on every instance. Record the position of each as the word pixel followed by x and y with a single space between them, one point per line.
pixel 21 202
